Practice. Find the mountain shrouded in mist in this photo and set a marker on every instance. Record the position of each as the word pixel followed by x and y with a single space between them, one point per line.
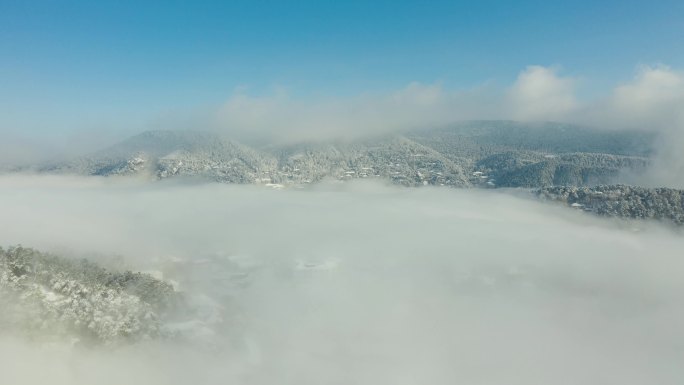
pixel 481 153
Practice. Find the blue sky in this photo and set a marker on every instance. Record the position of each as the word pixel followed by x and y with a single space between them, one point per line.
pixel 108 65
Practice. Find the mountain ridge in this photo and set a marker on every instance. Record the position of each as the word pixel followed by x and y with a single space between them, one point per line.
pixel 479 153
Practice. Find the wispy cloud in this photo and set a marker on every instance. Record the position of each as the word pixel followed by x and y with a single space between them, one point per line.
pixel 652 100
pixel 281 117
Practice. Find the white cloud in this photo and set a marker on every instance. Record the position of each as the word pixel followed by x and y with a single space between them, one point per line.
pixel 653 87
pixel 280 117
pixel 539 93
pixel 653 100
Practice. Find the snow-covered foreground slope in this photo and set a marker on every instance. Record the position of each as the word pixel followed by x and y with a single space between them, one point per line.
pixel 358 284
pixel 45 296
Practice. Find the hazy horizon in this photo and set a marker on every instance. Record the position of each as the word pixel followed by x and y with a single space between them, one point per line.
pixel 79 76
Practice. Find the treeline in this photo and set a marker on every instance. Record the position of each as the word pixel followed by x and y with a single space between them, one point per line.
pixel 508 154
pixel 664 204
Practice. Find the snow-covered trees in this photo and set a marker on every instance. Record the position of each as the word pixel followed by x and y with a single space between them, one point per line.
pixel 46 295
pixel 664 204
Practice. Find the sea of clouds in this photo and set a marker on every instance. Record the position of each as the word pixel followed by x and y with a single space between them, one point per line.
pixel 360 283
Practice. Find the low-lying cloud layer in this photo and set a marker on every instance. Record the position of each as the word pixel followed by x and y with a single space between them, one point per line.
pixel 653 100
pixel 362 283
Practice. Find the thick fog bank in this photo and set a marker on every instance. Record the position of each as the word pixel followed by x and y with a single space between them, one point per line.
pixel 360 284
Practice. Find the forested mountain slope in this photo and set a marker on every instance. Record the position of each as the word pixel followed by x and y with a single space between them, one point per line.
pixel 480 153
pixel 664 204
